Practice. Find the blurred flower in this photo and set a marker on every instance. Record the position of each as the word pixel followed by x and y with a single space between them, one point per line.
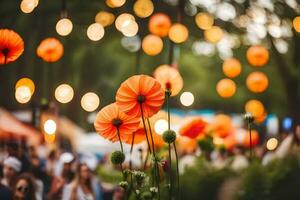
pixel 159 24
pixel 193 128
pixel 11 46
pixel 169 78
pixel 140 93
pixel 139 136
pixel 110 119
pixel 50 50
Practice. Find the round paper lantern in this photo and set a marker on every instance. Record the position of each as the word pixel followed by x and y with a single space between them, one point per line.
pixel 187 98
pixel 23 94
pixel 152 45
pixel 90 102
pixel 64 93
pixel 115 3
pixel 130 28
pixel 26 82
pixel 226 88
pixel 64 27
pixel 255 107
pixel 254 139
pixel 122 20
pixel 257 55
pixel 232 67
pixel 214 34
pixel 296 24
pixel 143 8
pixel 105 18
pixel 178 33
pixel 95 32
pixel 204 20
pixel 159 24
pixel 257 82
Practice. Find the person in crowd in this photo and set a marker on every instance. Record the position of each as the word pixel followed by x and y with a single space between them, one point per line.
pixel 63 175
pixel 11 169
pixel 24 188
pixel 84 187
pixel 5 192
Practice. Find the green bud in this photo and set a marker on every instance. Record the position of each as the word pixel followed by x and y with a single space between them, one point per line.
pixel 117 157
pixel 169 136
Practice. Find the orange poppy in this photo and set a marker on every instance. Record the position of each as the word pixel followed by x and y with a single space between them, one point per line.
pixel 254 139
pixel 11 46
pixel 157 139
pixel 50 50
pixel 139 136
pixel 169 78
pixel 186 145
pixel 193 128
pixel 222 125
pixel 140 93
pixel 110 119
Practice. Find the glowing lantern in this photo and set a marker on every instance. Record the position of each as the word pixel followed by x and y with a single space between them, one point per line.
pixel 122 20
pixel 64 26
pixel 95 32
pixel 255 107
pixel 178 33
pixel 254 139
pixel 204 20
pixel 152 45
pixel 226 88
pixel 130 28
pixel 143 8
pixel 272 143
pixel 23 94
pixel 296 24
pixel 187 98
pixel 214 34
pixel 27 6
pixel 232 67
pixel 257 82
pixel 257 55
pixel 105 18
pixel 159 24
pixel 26 82
pixel 161 126
pixel 90 102
pixel 115 3
pixel 64 93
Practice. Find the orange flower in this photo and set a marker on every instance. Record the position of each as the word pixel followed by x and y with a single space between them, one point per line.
pixel 11 46
pixel 222 125
pixel 169 78
pixel 193 128
pixel 140 91
pixel 139 136
pixel 186 145
pixel 109 119
pixel 50 50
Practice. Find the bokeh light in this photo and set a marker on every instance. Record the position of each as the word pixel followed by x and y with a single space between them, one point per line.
pixel 105 18
pixel 296 24
pixel 178 33
pixel 64 27
pixel 129 28
pixel 26 82
pixel 226 88
pixel 115 3
pixel 50 127
pixel 204 20
pixel 64 93
pixel 23 94
pixel 95 32
pixel 272 144
pixel 232 67
pixel 187 98
pixel 214 34
pixel 257 82
pixel 27 6
pixel 160 24
pixel 152 45
pixel 123 19
pixel 160 126
pixel 143 8
pixel 90 102
pixel 255 107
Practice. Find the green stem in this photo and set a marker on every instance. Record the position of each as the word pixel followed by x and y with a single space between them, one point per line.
pixel 131 150
pixel 118 133
pixel 177 170
pixel 145 129
pixel 250 137
pixel 170 173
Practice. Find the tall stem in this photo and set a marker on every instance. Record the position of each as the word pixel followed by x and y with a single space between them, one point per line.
pixel 177 170
pixel 131 150
pixel 170 173
pixel 118 133
pixel 250 138
pixel 145 129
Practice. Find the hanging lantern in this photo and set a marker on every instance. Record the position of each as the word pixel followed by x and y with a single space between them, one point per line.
pixel 152 45
pixel 26 82
pixel 232 67
pixel 214 34
pixel 257 55
pixel 254 139
pixel 226 88
pixel 257 82
pixel 159 24
pixel 105 18
pixel 64 93
pixel 143 8
pixel 178 33
pixel 204 21
pixel 122 20
pixel 64 27
pixel 115 3
pixel 255 107
pixel 296 24
pixel 95 32
pixel 90 102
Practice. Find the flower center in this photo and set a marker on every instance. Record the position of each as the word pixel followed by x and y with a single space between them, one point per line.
pixel 141 98
pixel 5 51
pixel 117 122
pixel 168 86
